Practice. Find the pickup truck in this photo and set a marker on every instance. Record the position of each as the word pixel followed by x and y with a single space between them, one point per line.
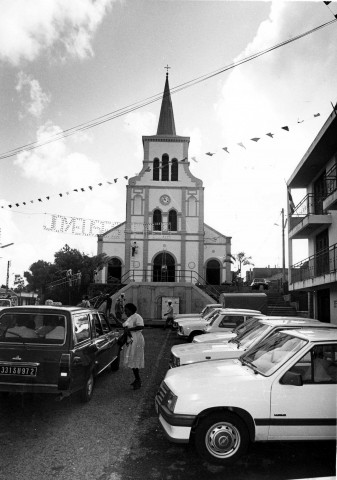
pixel 282 389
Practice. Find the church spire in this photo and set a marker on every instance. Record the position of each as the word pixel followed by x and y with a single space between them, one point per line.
pixel 166 124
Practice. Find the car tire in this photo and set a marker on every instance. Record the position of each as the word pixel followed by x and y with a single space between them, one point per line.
pixel 115 364
pixel 221 438
pixel 88 389
pixel 193 334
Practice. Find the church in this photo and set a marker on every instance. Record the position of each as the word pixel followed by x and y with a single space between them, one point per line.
pixel 164 238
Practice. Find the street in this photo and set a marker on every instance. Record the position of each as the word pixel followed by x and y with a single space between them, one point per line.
pixel 117 436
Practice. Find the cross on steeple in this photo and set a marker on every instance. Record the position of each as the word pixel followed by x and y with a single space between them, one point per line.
pixel 167 69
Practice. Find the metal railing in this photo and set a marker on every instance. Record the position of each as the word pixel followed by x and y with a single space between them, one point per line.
pixel 310 205
pixel 175 276
pixel 322 263
pixel 331 180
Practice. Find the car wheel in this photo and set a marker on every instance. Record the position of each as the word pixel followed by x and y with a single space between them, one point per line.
pixel 115 363
pixel 221 438
pixel 193 334
pixel 88 389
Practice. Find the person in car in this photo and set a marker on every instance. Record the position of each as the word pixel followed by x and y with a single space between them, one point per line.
pixel 21 329
pixel 58 331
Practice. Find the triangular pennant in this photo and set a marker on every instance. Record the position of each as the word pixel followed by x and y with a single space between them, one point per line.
pixel 285 128
pixel 24 203
pixel 126 177
pixel 90 187
pixel 242 145
pixel 17 204
pixel 300 121
pixel 60 194
pixel 210 154
pixel 67 193
pixel 32 201
pixel 39 199
pixel 194 159
pixel 10 206
pixel 226 149
pixel 115 180
pixel 47 198
pixel 100 184
pixel 185 158
pixel 75 190
pixel 110 183
pixel 317 114
pixel 255 139
pixel 326 3
pixel 82 190
pixel 271 135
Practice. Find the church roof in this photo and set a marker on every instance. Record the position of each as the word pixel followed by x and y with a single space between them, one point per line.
pixel 166 124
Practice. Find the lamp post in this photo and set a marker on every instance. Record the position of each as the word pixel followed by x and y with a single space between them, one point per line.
pixel 4 246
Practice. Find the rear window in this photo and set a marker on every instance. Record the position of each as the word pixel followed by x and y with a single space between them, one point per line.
pixel 35 327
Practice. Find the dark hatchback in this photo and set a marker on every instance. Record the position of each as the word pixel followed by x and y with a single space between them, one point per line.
pixel 56 350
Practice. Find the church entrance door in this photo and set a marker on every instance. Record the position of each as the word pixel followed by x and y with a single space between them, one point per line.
pixel 164 268
pixel 213 272
pixel 114 269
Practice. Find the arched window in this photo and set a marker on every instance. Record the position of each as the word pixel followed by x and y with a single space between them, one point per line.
pixel 165 167
pixel 157 220
pixel 156 169
pixel 174 170
pixel 173 224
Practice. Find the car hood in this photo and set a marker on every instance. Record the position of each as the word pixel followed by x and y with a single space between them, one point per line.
pixel 206 351
pixel 209 383
pixel 214 337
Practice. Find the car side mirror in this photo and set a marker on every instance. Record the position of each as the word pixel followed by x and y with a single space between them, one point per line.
pixel 292 378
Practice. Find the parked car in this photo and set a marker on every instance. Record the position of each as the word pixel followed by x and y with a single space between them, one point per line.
pixel 58 350
pixel 187 330
pixel 282 389
pixel 259 282
pixel 235 347
pixel 207 308
pixel 221 336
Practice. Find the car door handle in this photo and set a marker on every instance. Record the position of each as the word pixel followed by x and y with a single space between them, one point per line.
pixel 77 360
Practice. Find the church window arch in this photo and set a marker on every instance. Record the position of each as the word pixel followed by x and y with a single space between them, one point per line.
pixel 157 220
pixel 213 268
pixel 174 170
pixel 156 169
pixel 192 207
pixel 165 167
pixel 137 205
pixel 172 221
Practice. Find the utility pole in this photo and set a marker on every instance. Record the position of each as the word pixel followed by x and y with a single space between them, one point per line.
pixel 284 223
pixel 7 278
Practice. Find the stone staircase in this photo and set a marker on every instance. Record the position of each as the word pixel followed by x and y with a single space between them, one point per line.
pixel 277 306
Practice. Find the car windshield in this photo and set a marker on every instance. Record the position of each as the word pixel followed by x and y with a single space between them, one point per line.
pixel 5 303
pixel 34 327
pixel 212 316
pixel 244 329
pixel 258 280
pixel 269 354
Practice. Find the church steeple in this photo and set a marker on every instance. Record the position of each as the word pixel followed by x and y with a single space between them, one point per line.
pixel 166 124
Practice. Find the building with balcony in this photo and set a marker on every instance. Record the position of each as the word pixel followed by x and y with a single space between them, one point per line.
pixel 315 219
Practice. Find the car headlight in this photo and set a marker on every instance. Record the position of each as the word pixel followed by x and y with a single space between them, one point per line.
pixel 170 400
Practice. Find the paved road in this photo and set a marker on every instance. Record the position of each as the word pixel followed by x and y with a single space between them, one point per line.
pixel 117 436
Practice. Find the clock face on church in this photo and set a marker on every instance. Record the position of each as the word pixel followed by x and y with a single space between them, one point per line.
pixel 165 199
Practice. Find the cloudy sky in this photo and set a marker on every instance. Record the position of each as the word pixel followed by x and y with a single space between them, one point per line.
pixel 65 63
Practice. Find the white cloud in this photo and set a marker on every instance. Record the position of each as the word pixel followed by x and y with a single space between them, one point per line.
pixel 29 27
pixel 29 87
pixel 54 164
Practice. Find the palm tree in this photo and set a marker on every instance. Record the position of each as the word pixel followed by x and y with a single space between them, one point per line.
pixel 241 259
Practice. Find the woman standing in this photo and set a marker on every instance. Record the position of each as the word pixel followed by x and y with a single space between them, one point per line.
pixel 134 351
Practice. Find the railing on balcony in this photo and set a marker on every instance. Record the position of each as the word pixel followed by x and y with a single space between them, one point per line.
pixel 310 205
pixel 331 180
pixel 322 263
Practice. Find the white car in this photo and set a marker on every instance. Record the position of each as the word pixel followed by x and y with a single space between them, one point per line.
pixel 204 311
pixel 282 389
pixel 230 320
pixel 235 347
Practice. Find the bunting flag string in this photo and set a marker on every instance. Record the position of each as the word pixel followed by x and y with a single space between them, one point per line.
pixel 61 195
pixel 148 169
pixel 327 4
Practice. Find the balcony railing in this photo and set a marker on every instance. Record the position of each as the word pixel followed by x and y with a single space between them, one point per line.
pixel 322 263
pixel 331 180
pixel 310 205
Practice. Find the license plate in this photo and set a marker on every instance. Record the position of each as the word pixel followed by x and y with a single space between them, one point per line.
pixel 22 371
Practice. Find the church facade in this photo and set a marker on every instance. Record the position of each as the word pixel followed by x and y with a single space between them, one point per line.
pixel 164 237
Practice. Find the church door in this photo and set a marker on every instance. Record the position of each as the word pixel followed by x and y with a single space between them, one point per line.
pixel 213 272
pixel 164 268
pixel 114 269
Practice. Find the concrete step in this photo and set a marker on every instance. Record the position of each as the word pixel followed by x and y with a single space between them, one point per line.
pixel 284 311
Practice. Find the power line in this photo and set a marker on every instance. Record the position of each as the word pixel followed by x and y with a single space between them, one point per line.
pixel 154 98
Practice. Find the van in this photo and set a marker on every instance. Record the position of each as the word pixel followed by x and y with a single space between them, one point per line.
pixel 55 350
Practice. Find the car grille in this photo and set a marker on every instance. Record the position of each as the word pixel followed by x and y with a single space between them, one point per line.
pixel 174 361
pixel 163 390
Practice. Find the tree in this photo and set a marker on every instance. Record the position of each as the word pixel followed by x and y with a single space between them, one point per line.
pixel 241 259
